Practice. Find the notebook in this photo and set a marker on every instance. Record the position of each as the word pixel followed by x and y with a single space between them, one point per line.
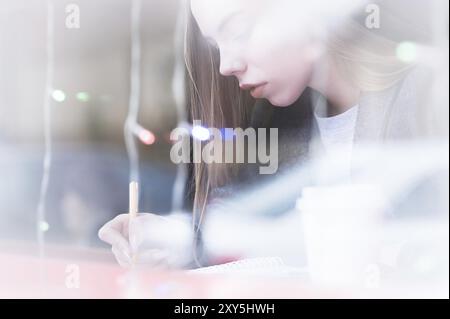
pixel 265 265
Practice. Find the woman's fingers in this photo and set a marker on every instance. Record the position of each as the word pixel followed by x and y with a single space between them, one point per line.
pixel 118 223
pixel 111 234
pixel 142 229
pixel 123 260
pixel 115 239
pixel 148 239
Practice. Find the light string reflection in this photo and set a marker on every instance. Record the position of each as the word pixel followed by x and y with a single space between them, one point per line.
pixel 178 90
pixel 41 223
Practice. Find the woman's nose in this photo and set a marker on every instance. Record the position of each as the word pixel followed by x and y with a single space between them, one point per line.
pixel 231 65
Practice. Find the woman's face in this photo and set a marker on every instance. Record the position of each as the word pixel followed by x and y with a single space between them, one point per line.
pixel 262 43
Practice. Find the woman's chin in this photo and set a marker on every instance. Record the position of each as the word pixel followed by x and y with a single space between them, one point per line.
pixel 282 101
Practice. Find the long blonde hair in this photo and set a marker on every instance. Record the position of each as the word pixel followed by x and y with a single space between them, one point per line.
pixel 369 61
pixel 216 101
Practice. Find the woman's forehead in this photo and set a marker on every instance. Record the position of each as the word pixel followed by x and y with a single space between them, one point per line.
pixel 210 14
pixel 220 6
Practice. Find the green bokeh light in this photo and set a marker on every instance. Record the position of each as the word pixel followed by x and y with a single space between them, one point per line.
pixel 83 97
pixel 44 226
pixel 407 52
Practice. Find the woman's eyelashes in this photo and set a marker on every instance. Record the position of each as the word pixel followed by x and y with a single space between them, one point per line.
pixel 236 31
pixel 240 37
pixel 230 41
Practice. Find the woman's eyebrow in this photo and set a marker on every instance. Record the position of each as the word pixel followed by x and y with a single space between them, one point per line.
pixel 227 19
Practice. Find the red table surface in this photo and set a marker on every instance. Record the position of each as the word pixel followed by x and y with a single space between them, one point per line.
pixel 23 274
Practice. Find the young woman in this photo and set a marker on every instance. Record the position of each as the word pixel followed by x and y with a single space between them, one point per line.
pixel 285 64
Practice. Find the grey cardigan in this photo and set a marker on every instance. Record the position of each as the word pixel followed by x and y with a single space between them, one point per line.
pixel 396 113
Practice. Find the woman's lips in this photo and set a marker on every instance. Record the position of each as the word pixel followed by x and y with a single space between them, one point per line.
pixel 256 90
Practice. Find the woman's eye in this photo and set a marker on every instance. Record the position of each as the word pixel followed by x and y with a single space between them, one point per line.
pixel 239 36
pixel 236 30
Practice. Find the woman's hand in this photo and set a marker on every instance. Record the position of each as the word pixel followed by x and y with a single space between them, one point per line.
pixel 148 239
